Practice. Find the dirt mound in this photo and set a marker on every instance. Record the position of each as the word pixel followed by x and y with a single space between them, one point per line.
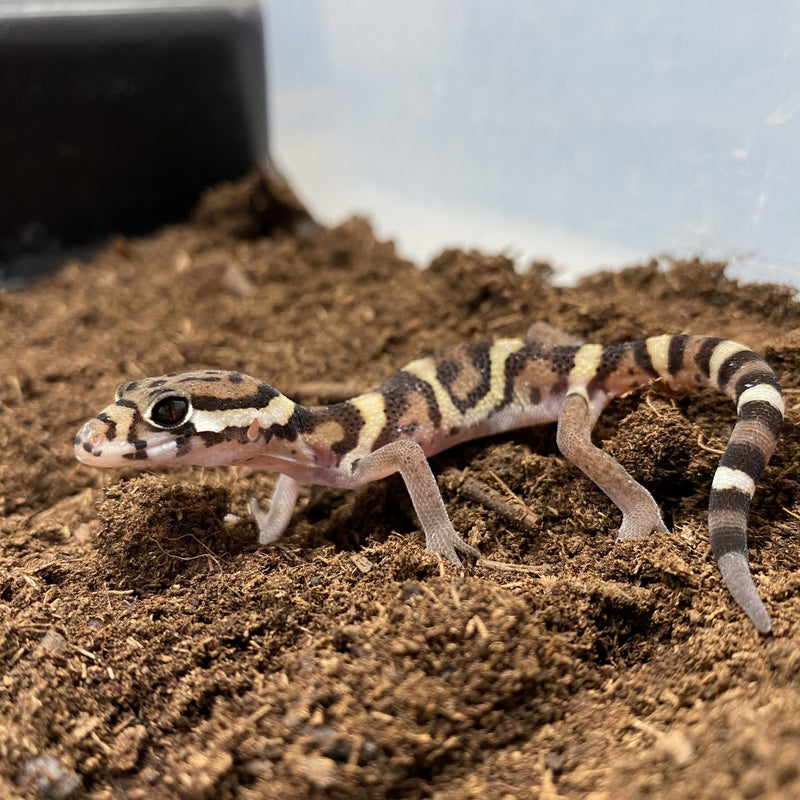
pixel 149 649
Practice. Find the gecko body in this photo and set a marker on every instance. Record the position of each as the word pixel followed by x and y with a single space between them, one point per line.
pixel 216 418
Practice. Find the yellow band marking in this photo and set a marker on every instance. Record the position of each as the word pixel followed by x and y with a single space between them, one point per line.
pixel 277 412
pixel 722 352
pixel 372 408
pixel 727 478
pixel 587 360
pixel 763 392
pixel 425 368
pixel 658 348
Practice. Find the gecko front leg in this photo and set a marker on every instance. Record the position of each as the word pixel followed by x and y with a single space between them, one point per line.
pixel 273 523
pixel 408 458
pixel 640 514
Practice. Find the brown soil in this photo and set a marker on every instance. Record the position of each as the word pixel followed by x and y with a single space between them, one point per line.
pixel 149 649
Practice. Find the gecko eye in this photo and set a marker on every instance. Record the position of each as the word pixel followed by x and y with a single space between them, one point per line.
pixel 169 412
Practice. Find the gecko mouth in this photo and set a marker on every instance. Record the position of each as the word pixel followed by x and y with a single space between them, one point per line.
pixel 94 447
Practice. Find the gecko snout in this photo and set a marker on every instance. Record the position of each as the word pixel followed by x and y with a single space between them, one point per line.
pixel 90 440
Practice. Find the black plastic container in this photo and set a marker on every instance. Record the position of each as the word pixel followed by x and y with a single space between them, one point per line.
pixel 114 116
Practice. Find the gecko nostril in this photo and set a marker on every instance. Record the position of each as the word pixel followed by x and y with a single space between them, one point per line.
pixel 90 437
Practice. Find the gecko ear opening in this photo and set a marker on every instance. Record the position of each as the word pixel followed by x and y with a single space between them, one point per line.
pixel 169 412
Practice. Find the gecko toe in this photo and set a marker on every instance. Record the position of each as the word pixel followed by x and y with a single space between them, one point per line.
pixel 447 549
pixel 468 549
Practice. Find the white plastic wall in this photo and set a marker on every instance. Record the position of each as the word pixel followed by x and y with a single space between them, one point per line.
pixel 586 133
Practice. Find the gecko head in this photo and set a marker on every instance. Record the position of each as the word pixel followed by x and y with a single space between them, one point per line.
pixel 179 418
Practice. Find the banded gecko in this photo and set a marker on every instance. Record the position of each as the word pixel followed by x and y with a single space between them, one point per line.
pixel 214 417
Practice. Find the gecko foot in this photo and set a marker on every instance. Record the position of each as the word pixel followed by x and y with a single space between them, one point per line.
pixel 641 527
pixel 267 534
pixel 447 542
pixel 274 522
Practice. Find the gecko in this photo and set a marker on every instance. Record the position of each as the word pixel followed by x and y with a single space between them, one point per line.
pixel 215 417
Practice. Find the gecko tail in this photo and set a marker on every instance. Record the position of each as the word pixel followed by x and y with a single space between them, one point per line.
pixel 736 574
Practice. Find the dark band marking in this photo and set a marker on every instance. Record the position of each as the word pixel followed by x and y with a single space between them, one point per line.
pixel 212 438
pixel 733 364
pixel 764 413
pixel 675 354
pixel 641 357
pixel 727 539
pixel 610 357
pixel 765 377
pixel 351 421
pixel 562 359
pixel 260 399
pixel 514 364
pixel 734 500
pixel 396 391
pixel 111 425
pixel 299 422
pixel 744 456
pixel 608 362
pixel 447 373
pixel 703 357
pixel 136 421
pixel 306 420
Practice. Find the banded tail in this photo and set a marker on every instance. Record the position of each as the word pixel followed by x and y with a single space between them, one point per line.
pixel 748 380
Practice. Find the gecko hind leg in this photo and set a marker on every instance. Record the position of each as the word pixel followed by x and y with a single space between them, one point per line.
pixel 640 513
pixel 272 523
pixel 408 458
